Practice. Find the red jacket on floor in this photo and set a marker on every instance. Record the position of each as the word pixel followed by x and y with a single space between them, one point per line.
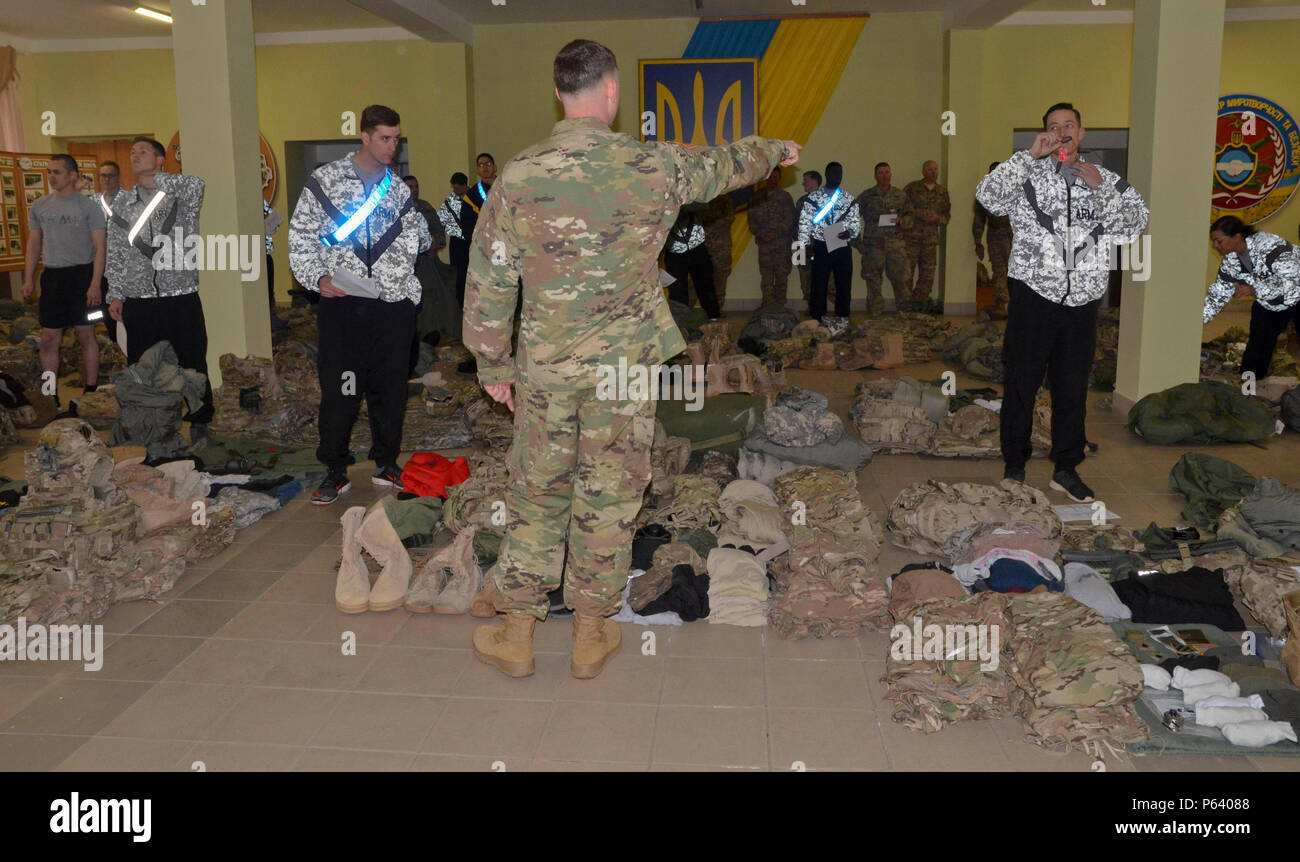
pixel 428 474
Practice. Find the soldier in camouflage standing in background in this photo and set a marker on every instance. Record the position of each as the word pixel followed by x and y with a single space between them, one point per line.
pixel 883 247
pixel 581 217
pixel 999 231
pixel 812 181
pixel 771 219
pixel 931 211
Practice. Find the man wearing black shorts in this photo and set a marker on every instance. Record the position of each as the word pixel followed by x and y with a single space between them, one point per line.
pixel 67 231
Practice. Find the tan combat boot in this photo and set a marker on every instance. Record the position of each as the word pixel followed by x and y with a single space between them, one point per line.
pixel 508 648
pixel 595 640
pixel 484 604
pixel 379 538
pixel 352 589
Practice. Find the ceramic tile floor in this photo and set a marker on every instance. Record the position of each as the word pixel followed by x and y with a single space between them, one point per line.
pixel 241 666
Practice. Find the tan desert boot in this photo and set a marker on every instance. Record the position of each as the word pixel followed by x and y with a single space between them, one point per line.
pixel 508 648
pixel 379 538
pixel 484 604
pixel 352 589
pixel 595 640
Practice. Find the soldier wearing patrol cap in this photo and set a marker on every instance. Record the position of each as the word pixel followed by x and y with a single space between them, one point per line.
pixel 580 218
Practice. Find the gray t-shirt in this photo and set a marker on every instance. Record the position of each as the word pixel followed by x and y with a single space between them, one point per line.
pixel 368 181
pixel 65 224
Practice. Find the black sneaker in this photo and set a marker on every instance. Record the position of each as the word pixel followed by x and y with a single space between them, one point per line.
pixel 1015 474
pixel 1069 482
pixel 388 476
pixel 335 483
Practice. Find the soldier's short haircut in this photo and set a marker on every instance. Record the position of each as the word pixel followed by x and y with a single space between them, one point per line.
pixel 109 163
pixel 582 64
pixel 411 178
pixel 489 158
pixel 69 163
pixel 459 179
pixel 1231 226
pixel 815 175
pixel 879 165
pixel 145 139
pixel 834 173
pixel 1062 106
pixel 378 115
pixel 993 165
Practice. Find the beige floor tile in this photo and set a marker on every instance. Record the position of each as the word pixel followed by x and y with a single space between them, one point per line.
pixel 630 678
pixel 277 716
pixel 229 662
pixel 75 706
pixel 484 680
pixel 492 729
pixel 190 618
pixel 233 585
pixel 467 763
pixel 599 731
pixel 825 739
pixel 716 736
pixel 334 760
pixel 442 631
pixel 324 559
pixel 263 557
pixel 961 747
pixel 311 533
pixel 402 670
pixel 370 629
pixel 315 588
pixel 1275 764
pixel 809 648
pixel 16 692
pixel 141 658
pixel 28 752
pixel 272 621
pixel 124 755
pixel 827 684
pixel 238 757
pixel 1193 763
pixel 659 766
pixel 698 681
pixel 555 635
pixel 395 722
pixel 715 641
pixel 873 645
pixel 120 619
pixel 319 666
pixel 171 710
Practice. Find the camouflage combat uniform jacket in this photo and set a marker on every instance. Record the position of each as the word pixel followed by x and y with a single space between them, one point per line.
pixel 129 272
pixel 589 298
pixel 873 203
pixel 1271 268
pixel 1031 192
pixel 394 269
pixel 923 198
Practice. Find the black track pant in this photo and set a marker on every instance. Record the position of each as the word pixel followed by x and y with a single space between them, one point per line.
pixel 178 319
pixel 699 266
pixel 1046 337
pixel 458 254
pixel 1265 327
pixel 824 264
pixel 371 339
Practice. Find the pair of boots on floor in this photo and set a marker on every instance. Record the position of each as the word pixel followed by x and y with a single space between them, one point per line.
pixel 452 582
pixel 446 584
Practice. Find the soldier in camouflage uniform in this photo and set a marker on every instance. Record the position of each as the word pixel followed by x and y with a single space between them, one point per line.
pixel 580 217
pixel 717 219
pixel 812 181
pixel 771 220
pixel 884 249
pixel 999 231
pixel 931 209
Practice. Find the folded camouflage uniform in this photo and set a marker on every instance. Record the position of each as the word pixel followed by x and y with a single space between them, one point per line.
pixel 1076 678
pixel 249 506
pixel 694 504
pixel 750 511
pixel 927 515
pixel 22 361
pixel 472 502
pixel 659 577
pixel 1261 586
pixel 931 693
pixel 719 466
pixel 252 403
pixel 99 408
pixel 802 418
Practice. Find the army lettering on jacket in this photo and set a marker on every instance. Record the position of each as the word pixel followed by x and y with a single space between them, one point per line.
pixel 844 211
pixel 591 297
pixel 1271 268
pixel 128 268
pixel 1034 196
pixel 449 215
pixel 364 253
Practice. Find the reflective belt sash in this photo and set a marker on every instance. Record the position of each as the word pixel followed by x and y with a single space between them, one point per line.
pixel 367 255
pixel 133 230
pixel 830 204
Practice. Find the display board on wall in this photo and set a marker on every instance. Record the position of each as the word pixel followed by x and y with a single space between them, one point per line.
pixel 23 181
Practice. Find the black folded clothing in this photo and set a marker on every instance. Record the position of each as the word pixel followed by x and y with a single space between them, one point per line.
pixel 1195 596
pixel 644 544
pixel 688 597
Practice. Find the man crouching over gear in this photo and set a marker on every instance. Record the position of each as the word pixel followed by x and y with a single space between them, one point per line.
pixel 580 217
pixel 354 238
pixel 1065 216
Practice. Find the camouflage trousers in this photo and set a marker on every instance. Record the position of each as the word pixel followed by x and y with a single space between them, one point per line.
pixel 721 272
pixel 578 465
pixel 805 281
pixel 999 254
pixel 885 256
pixel 774 272
pixel 923 260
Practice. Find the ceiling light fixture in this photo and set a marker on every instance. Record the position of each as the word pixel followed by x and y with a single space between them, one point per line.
pixel 149 13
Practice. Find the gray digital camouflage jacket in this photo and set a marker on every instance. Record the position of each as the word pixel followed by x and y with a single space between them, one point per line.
pixel 130 273
pixel 394 268
pixel 845 212
pixel 1033 195
pixel 1272 271
pixel 449 215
